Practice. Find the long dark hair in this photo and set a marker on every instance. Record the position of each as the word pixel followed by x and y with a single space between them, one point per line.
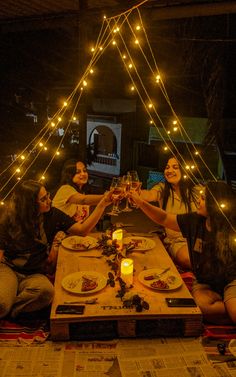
pixel 22 212
pixel 67 174
pixel 186 187
pixel 220 202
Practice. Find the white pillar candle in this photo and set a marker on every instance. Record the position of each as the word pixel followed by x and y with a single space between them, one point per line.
pixel 127 270
pixel 118 236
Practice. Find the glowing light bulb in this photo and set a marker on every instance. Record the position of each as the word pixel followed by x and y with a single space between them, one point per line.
pixel 150 105
pixel 43 177
pixel 185 176
pixel 124 56
pixel 22 157
pixel 174 122
pixel 130 65
pixel 138 27
pixel 18 178
pixel 175 129
pixel 100 48
pixel 104 16
pixel 151 121
pixel 222 205
pixel 187 167
pixel 57 153
pixel 18 170
pixel 196 153
pixel 158 77
pixel 92 49
pixel 74 118
pixel 41 144
pixel 165 148
pixel 132 88
pixel 45 148
pixel 2 203
pixel 65 103
pixel 59 119
pixel 53 124
pixel 168 132
pixel 91 70
pixel 114 42
pixel 192 167
pixel 85 83
pixel 136 41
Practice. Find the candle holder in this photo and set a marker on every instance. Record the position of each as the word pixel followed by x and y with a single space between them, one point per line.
pixel 126 271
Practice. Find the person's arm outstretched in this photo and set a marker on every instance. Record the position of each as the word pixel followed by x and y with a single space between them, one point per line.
pixel 83 199
pixel 84 228
pixel 158 215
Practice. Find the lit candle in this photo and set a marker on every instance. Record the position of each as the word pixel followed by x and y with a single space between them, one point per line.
pixel 118 236
pixel 126 270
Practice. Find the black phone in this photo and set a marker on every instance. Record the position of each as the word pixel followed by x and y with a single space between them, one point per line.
pixel 70 309
pixel 178 302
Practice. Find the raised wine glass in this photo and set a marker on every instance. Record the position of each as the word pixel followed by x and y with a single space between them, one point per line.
pixel 126 181
pixel 117 189
pixel 135 183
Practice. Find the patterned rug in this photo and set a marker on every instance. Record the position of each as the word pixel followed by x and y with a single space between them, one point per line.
pixel 25 332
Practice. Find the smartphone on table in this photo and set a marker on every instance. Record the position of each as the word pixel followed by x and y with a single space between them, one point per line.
pixel 180 302
pixel 70 309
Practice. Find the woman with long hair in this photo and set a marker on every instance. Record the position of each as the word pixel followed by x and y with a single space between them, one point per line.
pixel 176 195
pixel 211 237
pixel 28 226
pixel 73 195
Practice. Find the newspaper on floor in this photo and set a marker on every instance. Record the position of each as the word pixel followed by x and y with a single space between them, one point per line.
pixel 164 357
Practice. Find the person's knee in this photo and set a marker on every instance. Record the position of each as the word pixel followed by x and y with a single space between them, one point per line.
pixel 5 307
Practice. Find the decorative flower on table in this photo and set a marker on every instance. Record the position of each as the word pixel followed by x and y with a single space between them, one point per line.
pixel 111 250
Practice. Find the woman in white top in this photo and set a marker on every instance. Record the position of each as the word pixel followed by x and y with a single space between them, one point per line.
pixel 177 195
pixel 72 197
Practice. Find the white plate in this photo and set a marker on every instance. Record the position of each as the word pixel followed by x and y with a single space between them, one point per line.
pixel 142 243
pixel 78 243
pixel 73 282
pixel 171 279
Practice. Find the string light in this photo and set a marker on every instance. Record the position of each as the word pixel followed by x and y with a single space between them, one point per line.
pixel 132 88
pixel 41 144
pixel 222 205
pixel 138 27
pixel 130 65
pixel 175 129
pixel 91 71
pixel 136 41
pixel 53 124
pixel 114 42
pixel 158 77
pixel 65 103
pixel 22 157
pixel 124 56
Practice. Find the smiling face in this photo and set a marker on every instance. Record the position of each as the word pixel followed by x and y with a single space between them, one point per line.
pixel 81 176
pixel 201 210
pixel 44 200
pixel 172 172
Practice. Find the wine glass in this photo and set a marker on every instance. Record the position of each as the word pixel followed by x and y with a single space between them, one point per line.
pixel 126 181
pixel 135 183
pixel 117 189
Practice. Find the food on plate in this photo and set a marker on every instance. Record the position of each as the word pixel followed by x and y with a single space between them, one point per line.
pixel 160 284
pixel 79 245
pixel 171 279
pixel 89 283
pixel 134 243
pixel 150 277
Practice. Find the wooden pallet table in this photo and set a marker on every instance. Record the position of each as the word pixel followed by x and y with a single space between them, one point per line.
pixel 108 318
